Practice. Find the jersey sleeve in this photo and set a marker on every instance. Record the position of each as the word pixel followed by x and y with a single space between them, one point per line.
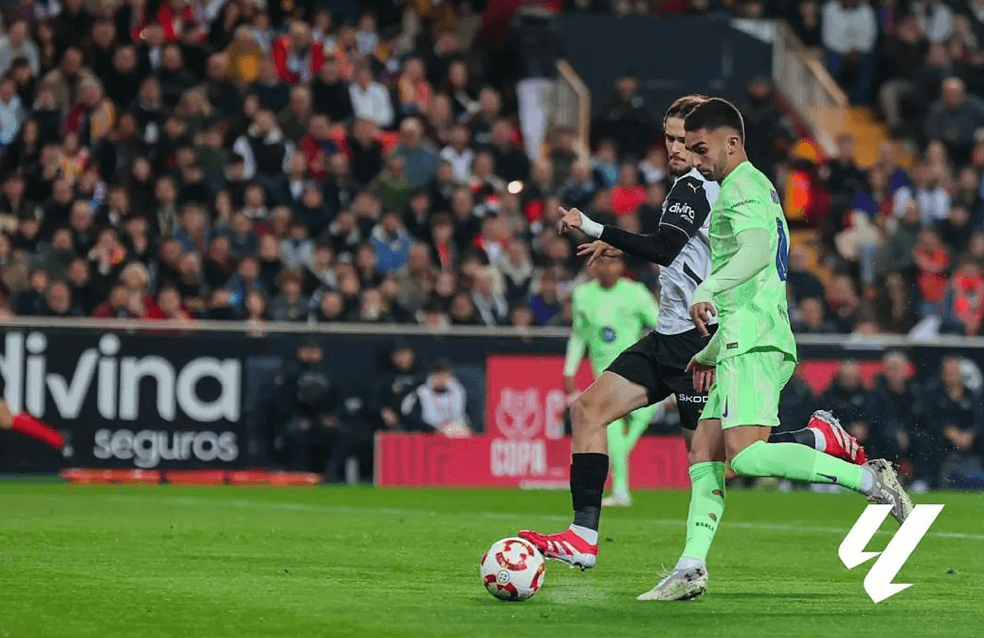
pixel 686 206
pixel 685 211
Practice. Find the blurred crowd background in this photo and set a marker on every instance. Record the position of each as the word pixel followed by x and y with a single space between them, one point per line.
pixel 340 161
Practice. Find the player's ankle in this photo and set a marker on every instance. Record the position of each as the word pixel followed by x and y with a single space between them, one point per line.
pixel 867 481
pixel 688 562
pixel 586 533
pixel 820 441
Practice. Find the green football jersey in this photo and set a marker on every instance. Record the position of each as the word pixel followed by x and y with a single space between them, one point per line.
pixel 753 314
pixel 608 322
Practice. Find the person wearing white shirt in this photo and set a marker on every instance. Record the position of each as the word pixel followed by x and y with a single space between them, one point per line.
pixel 935 18
pixel 931 199
pixel 849 31
pixel 15 45
pixel 370 99
pixel 458 153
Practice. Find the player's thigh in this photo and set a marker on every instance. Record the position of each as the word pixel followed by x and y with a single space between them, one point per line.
pixel 610 398
pixel 748 387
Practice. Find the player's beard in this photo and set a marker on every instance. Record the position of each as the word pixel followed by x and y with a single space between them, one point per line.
pixel 676 171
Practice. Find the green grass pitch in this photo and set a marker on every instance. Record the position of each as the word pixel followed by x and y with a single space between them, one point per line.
pixel 232 562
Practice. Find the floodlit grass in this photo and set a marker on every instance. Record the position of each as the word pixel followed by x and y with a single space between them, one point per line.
pixel 330 562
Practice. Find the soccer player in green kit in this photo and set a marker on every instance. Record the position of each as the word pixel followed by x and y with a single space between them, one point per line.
pixel 610 314
pixel 751 355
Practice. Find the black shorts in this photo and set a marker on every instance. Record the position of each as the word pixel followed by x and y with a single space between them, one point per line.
pixel 643 365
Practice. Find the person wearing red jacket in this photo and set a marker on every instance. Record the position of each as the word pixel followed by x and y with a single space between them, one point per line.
pixel 318 147
pixel 297 56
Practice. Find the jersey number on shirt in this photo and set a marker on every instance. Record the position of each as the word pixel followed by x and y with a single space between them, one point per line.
pixel 782 253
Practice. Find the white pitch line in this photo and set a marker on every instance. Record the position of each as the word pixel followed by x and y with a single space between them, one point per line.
pixel 394 511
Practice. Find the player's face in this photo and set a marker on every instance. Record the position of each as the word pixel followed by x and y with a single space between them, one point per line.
pixel 680 160
pixel 609 269
pixel 711 150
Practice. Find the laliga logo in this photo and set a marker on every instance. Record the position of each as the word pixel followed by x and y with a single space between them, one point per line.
pixel 878 583
pixel 518 413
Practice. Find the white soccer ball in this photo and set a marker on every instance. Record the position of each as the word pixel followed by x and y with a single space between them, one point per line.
pixel 512 569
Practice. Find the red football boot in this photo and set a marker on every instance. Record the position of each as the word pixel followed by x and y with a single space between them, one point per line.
pixel 566 547
pixel 839 441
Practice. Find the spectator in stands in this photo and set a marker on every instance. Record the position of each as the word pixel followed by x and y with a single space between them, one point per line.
pixel 626 120
pixel 462 311
pixel 439 404
pixel 849 30
pixel 264 149
pixel 843 303
pixel 933 265
pixel 511 163
pixel 578 190
pixel 956 230
pixel 17 44
pixel 850 401
pixel 954 119
pixel 11 112
pixel 949 446
pixel 309 405
pixel 297 56
pixel 490 304
pixel 392 243
pixel 420 157
pixel 331 92
pixel 897 305
pixel 896 409
pixel 963 305
pixel 844 177
pixel 802 282
pixel 905 51
pixel 392 388
pixel 370 99
pixel 935 18
pixel 546 304
pixel 31 302
pixel 810 317
pixel 295 119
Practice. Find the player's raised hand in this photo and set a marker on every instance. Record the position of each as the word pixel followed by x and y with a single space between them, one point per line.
pixel 597 248
pixel 569 219
pixel 701 312
pixel 703 375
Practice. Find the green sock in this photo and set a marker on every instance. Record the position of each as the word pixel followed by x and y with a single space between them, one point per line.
pixel 618 455
pixel 796 462
pixel 706 508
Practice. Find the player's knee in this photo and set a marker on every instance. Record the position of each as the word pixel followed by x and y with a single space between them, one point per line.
pixel 584 413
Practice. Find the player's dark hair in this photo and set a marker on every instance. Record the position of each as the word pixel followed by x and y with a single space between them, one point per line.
pixel 682 106
pixel 713 114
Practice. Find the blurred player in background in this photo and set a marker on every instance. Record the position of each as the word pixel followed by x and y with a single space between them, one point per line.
pixel 610 314
pixel 751 355
pixel 24 423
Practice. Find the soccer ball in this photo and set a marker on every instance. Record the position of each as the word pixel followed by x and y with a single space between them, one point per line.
pixel 512 569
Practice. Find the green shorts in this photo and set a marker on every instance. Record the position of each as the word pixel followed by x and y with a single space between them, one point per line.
pixel 746 388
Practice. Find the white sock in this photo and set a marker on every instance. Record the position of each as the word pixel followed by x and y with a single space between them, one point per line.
pixel 590 535
pixel 686 563
pixel 867 481
pixel 821 440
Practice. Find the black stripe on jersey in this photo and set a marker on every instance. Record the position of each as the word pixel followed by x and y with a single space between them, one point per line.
pixel 688 271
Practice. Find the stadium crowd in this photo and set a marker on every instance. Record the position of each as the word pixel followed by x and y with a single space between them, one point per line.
pixel 258 161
